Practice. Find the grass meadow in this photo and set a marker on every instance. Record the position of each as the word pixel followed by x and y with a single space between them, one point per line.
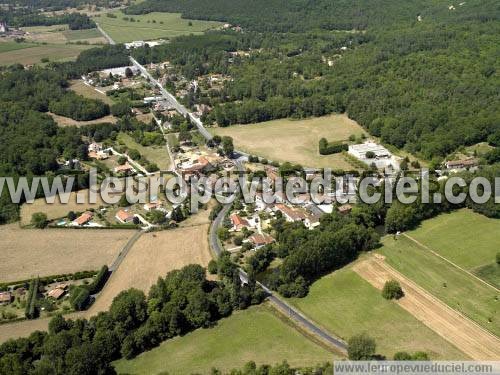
pixel 255 334
pixel 151 26
pixel 346 304
pixel 295 141
pixel 452 285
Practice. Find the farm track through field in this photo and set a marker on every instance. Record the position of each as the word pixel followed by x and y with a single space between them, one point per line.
pixel 448 323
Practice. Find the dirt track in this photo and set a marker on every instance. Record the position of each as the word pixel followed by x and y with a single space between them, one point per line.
pixel 448 323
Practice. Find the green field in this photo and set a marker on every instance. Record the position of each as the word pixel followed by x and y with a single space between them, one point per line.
pixel 74 35
pixel 295 141
pixel 452 285
pixel 466 238
pixel 254 334
pixel 346 305
pixel 156 154
pixel 33 55
pixel 13 46
pixel 166 25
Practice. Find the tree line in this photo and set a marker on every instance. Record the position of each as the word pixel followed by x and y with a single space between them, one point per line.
pixel 178 303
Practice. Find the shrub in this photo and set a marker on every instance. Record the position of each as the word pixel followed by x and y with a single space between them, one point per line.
pixel 392 290
pixel 39 220
pixel 326 148
pixel 79 298
pixel 361 347
pixel 370 155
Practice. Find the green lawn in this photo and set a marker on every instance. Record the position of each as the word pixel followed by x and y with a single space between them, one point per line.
pixel 345 304
pixel 156 154
pixel 13 46
pixel 254 334
pixel 468 239
pixel 166 25
pixel 450 284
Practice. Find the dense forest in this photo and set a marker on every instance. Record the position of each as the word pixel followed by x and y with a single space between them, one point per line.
pixel 418 74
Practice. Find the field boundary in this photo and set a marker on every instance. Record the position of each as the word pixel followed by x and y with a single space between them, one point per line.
pixel 450 262
pixel 462 332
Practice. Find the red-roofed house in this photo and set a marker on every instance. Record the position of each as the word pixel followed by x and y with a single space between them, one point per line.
pixel 238 222
pixel 259 240
pixel 124 216
pixel 5 298
pixel 83 218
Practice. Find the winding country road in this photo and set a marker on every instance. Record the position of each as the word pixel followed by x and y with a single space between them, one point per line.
pixel 285 308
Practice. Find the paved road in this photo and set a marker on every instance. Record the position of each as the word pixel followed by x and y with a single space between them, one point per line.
pixel 119 259
pixel 286 308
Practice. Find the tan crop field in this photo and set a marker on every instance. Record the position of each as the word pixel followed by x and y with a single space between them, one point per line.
pixel 154 255
pixel 27 253
pixel 295 141
pixel 466 335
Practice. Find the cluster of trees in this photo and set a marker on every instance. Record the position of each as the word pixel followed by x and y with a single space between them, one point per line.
pixel 78 108
pixel 28 17
pixel 31 311
pixel 80 295
pixel 308 254
pixel 178 303
pixel 326 148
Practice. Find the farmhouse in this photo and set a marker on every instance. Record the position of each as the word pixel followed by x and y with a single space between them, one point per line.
pixel 83 218
pixel 259 240
pixel 238 222
pixel 289 213
pixel 57 292
pixel 5 298
pixel 461 164
pixel 124 216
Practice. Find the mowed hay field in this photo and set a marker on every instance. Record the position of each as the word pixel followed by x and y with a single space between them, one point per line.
pixel 13 46
pixel 470 338
pixel 28 253
pixel 345 304
pixel 256 334
pixel 61 34
pixel 58 210
pixel 464 237
pixel 454 286
pixel 34 54
pixel 295 141
pixel 160 25
pixel 89 92
pixel 154 255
